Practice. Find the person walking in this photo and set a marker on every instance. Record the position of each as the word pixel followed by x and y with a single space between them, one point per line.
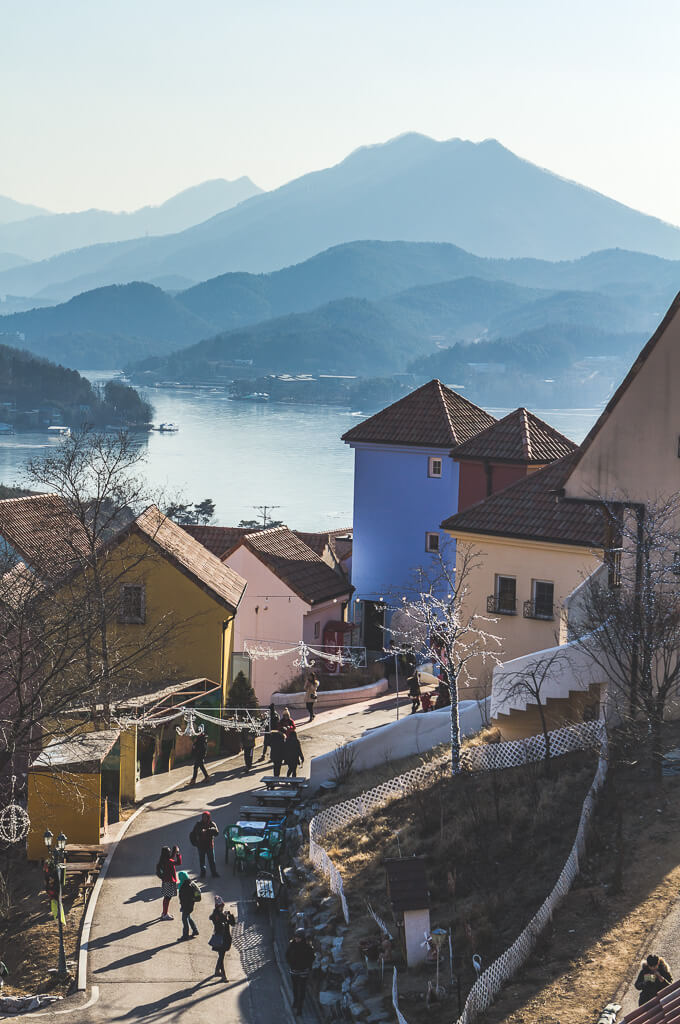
pixel 286 723
pixel 273 724
pixel 654 975
pixel 202 836
pixel 277 746
pixel 223 921
pixel 299 957
pixel 414 691
pixel 311 693
pixel 166 869
pixel 198 751
pixel 248 745
pixel 292 754
pixel 189 895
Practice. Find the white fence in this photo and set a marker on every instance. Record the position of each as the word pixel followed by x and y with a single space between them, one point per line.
pixel 482 758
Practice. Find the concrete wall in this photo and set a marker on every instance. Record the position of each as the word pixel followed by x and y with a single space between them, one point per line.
pixel 332 698
pixel 395 504
pixel 128 765
pixel 412 734
pixel 476 483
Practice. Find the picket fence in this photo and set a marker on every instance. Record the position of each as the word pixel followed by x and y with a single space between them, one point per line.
pixel 485 757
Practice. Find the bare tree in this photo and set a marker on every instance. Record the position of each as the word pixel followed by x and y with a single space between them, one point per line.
pixel 528 684
pixel 61 645
pixel 628 620
pixel 437 626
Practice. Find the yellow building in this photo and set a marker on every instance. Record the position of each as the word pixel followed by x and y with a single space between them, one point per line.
pixel 532 550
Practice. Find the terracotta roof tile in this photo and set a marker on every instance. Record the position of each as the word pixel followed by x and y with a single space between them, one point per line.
pixel 218 539
pixel 663 1008
pixel 296 564
pixel 191 556
pixel 43 531
pixel 518 437
pixel 432 416
pixel 530 509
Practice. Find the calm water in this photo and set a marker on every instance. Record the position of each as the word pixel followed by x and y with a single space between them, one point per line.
pixel 243 454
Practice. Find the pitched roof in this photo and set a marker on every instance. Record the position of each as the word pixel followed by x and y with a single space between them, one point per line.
pixel 86 750
pixel 218 539
pixel 630 376
pixel 44 532
pixel 663 1008
pixel 530 509
pixel 296 564
pixel 432 416
pixel 318 542
pixel 518 437
pixel 190 556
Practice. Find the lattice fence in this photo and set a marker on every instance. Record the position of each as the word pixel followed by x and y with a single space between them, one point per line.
pixel 503 970
pixel 485 757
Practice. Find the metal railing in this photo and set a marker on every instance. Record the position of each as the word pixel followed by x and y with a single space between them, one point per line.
pixel 499 604
pixel 538 610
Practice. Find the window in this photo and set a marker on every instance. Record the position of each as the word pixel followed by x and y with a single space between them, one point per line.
pixel 132 603
pixel 317 630
pixel 504 600
pixel 613 561
pixel 541 604
pixel 432 542
pixel 434 466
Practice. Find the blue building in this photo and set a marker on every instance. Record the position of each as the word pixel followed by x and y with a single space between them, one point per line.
pixel 405 485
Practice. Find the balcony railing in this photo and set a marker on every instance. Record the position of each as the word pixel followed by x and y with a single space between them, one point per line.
pixel 537 610
pixel 499 604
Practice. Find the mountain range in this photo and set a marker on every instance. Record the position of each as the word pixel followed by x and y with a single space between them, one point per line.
pixel 479 196
pixel 46 234
pixel 423 296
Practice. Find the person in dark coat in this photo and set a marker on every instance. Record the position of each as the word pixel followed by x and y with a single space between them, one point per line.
pixel 654 975
pixel 286 723
pixel 273 724
pixel 189 894
pixel 443 695
pixel 277 743
pixel 166 869
pixel 292 753
pixel 198 751
pixel 414 691
pixel 223 921
pixel 247 746
pixel 203 838
pixel 300 957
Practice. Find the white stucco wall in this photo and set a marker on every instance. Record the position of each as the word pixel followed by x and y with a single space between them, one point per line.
pixel 269 611
pixel 412 734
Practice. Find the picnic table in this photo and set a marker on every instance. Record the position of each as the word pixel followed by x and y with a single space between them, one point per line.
pixel 276 799
pixel 283 782
pixel 258 813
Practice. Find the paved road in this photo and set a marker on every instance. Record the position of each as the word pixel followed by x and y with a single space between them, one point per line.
pixel 141 970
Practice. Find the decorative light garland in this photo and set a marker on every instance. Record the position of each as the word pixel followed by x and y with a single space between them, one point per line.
pixel 305 655
pixel 14 821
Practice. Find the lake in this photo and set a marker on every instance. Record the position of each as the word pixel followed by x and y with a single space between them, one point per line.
pixel 244 454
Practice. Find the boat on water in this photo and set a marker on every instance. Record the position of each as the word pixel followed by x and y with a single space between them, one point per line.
pixel 59 431
pixel 168 428
pixel 256 396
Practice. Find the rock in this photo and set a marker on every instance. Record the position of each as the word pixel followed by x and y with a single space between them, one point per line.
pixel 290 876
pixel 326 941
pixel 342 929
pixel 358 969
pixel 329 998
pixel 358 1010
pixel 328 903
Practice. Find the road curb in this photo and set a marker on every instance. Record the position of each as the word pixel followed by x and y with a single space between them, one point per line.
pixel 83 942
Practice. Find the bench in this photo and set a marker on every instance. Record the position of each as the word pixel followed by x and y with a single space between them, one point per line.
pixel 82 867
pixel 277 782
pixel 258 813
pixel 92 848
pixel 276 799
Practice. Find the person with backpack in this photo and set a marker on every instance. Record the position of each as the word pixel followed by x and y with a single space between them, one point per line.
pixel 292 754
pixel 166 870
pixel 198 751
pixel 189 895
pixel 223 921
pixel 202 836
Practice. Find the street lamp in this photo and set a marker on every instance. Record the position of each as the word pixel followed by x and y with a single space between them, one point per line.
pixel 58 858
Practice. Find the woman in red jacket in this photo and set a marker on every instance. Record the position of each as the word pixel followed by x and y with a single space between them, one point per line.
pixel 166 869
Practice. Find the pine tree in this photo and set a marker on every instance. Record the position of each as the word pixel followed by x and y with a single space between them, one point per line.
pixel 242 694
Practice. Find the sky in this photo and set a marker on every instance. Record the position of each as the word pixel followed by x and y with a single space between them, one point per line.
pixel 120 104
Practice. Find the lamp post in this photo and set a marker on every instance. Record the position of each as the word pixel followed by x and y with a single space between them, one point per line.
pixel 58 857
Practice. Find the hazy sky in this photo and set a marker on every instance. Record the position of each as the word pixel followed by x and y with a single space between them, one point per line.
pixel 121 103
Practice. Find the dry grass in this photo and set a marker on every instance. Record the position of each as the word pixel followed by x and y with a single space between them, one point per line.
pixel 494 846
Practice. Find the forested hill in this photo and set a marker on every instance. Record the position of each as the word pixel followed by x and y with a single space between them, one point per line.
pixel 37 393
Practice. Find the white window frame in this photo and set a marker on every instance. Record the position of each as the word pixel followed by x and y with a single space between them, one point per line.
pixel 138 620
pixel 431 466
pixel 431 550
